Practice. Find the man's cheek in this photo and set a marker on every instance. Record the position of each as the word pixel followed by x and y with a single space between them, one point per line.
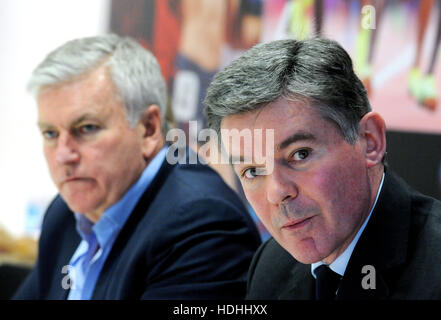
pixel 260 206
pixel 325 183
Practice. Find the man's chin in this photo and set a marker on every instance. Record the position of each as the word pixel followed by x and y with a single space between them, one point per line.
pixel 80 206
pixel 306 258
pixel 304 252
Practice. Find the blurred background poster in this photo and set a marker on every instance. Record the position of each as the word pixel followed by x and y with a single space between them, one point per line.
pixel 192 41
pixel 394 45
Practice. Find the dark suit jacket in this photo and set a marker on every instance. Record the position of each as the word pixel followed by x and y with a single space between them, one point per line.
pixel 402 241
pixel 189 237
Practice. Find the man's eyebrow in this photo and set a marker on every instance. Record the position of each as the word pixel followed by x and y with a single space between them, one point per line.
pixel 298 136
pixel 43 125
pixel 87 116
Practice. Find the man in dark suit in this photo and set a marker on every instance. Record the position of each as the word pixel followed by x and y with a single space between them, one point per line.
pixel 127 224
pixel 343 225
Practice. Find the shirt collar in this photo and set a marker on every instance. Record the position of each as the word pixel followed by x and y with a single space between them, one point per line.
pixel 339 265
pixel 114 217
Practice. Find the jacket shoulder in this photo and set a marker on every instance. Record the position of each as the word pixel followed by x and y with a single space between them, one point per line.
pixel 58 222
pixel 198 188
pixel 201 181
pixel 270 271
pixel 408 235
pixel 57 240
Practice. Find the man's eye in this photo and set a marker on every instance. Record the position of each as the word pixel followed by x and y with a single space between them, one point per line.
pixel 249 173
pixel 252 173
pixel 49 134
pixel 300 155
pixel 88 128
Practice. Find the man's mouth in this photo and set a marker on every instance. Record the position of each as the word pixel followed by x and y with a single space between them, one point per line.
pixel 74 179
pixel 296 224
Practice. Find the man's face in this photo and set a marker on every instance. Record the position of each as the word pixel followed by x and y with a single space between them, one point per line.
pixel 318 193
pixel 93 155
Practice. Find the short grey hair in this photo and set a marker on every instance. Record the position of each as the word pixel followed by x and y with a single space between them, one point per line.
pixel 315 70
pixel 135 72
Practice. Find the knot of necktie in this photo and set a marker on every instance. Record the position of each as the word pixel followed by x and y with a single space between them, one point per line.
pixel 326 283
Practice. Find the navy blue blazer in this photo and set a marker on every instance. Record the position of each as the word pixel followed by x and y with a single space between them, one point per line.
pixel 189 237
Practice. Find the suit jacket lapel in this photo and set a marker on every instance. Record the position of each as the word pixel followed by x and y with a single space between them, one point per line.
pixel 137 214
pixel 70 242
pixel 381 247
pixel 301 285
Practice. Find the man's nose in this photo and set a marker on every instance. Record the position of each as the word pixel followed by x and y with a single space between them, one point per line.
pixel 66 152
pixel 281 186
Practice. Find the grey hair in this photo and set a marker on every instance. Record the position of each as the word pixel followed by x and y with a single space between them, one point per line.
pixel 315 70
pixel 134 71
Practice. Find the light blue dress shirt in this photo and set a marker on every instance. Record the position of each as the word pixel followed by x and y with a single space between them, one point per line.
pixel 97 239
pixel 339 265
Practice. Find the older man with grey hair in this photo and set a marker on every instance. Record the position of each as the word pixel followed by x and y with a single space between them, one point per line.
pixel 343 225
pixel 127 224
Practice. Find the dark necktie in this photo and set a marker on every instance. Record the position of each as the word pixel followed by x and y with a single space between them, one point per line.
pixel 326 283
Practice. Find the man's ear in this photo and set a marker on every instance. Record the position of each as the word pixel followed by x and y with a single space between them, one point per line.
pixel 372 130
pixel 150 131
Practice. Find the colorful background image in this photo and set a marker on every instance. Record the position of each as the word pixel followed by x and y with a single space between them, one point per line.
pixel 394 46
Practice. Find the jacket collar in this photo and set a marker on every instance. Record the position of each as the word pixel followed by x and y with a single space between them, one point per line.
pixel 301 285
